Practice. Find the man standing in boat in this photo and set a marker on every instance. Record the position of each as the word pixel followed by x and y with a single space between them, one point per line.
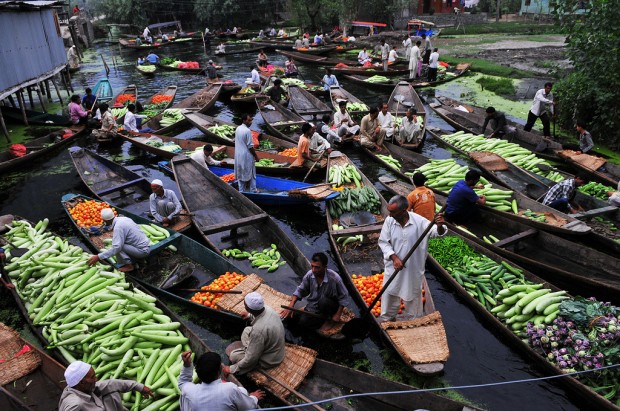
pixel 164 204
pixel 325 294
pixel 401 229
pixel 245 156
pixel 542 108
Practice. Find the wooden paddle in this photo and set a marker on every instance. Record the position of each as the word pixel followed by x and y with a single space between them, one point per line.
pixel 358 327
pixel 310 171
pixel 200 290
pixel 297 310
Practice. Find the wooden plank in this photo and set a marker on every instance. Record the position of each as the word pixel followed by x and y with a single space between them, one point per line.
pixel 516 238
pixel 119 187
pixel 229 225
pixel 348 232
pixel 595 212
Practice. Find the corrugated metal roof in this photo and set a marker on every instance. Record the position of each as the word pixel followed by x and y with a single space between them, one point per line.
pixel 29 4
pixel 31 47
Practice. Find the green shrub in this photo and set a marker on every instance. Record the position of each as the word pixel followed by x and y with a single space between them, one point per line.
pixel 500 86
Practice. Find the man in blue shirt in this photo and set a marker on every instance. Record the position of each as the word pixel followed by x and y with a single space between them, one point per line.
pixel 324 291
pixel 462 199
pixel 152 58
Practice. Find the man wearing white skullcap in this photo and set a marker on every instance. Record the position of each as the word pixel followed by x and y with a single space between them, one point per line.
pixel 128 241
pixel 164 204
pixel 85 393
pixel 262 342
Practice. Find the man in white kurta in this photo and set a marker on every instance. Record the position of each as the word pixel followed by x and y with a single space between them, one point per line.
pixel 407 44
pixel 363 57
pixel 386 121
pixel 245 156
pixel 385 54
pixel 410 128
pixel 399 233
pixel 415 59
pixel 343 122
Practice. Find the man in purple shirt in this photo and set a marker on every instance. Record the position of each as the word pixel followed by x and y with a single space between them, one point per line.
pixel 462 199
pixel 324 291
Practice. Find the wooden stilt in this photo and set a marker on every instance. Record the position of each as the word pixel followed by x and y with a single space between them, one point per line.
pixel 57 91
pixel 22 106
pixel 3 126
pixel 12 101
pixel 41 99
pixel 47 90
pixel 29 89
pixel 64 81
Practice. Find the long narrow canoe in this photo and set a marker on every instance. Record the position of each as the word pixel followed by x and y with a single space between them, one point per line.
pixel 169 91
pixel 282 122
pixel 411 161
pixel 103 90
pixel 404 97
pixel 306 104
pixel 337 93
pixel 156 263
pixel 167 67
pixel 31 381
pixel 609 175
pixel 588 396
pixel 450 74
pixel 130 90
pixel 234 50
pixel 35 118
pixel 470 119
pixel 39 147
pixel 117 185
pixel 314 59
pixel 392 71
pixel 366 259
pixel 573 266
pixel 226 219
pixel 282 164
pixel 147 70
pixel 204 122
pixel 200 101
pixel 144 46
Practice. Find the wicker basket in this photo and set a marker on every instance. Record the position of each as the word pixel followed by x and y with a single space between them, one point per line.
pixel 234 302
pixel 296 365
pixel 586 160
pixel 14 367
pixel 422 340
pixel 489 161
pixel 331 328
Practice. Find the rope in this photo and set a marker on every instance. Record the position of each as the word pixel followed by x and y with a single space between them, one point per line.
pixel 459 387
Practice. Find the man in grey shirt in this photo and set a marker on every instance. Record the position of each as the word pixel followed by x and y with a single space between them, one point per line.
pixel 164 204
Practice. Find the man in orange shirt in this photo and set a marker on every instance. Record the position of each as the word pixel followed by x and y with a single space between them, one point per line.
pixel 311 147
pixel 421 199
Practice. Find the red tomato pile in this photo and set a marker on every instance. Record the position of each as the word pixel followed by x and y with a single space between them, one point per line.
pixel 160 98
pixel 226 281
pixel 124 99
pixel 227 178
pixel 369 287
pixel 88 213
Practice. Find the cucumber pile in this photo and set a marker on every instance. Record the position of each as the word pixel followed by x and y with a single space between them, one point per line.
pixel 171 116
pixel 223 130
pixel 357 107
pixel 532 215
pixel 355 199
pixel 391 161
pixel 267 162
pixel 511 152
pixel 95 315
pixel 343 241
pixel 268 259
pixel 596 190
pixel 340 175
pixel 377 79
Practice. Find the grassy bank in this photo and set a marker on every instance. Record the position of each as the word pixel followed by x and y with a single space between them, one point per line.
pixel 488 67
pixel 509 27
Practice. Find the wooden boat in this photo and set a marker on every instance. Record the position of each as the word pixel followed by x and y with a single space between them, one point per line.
pixel 282 164
pixel 35 118
pixel 315 59
pixel 39 147
pixel 234 51
pixel 274 191
pixel 30 381
pixel 272 44
pixel 609 175
pixel 588 396
pixel 156 263
pixel 131 44
pixel 450 74
pixel 337 93
pixel 103 90
pixel 117 185
pixel 380 86
pixel 203 122
pixel 366 259
pixel 404 97
pixel 170 91
pixel 411 161
pixel 305 104
pixel 131 90
pixel 200 101
pixel 282 122
pixel 470 119
pixel 168 67
pixel 392 71
pixel 577 267
pixel 147 70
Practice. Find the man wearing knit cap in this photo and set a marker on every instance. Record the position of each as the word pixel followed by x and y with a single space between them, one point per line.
pixel 262 343
pixel 128 241
pixel 85 393
pixel 164 204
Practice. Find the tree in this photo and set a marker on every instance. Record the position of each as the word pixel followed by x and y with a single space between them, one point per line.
pixel 589 93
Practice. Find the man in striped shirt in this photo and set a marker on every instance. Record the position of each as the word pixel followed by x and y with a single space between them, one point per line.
pixel 560 195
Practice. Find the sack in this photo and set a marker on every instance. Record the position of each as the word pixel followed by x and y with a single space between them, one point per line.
pixel 17 150
pixel 67 133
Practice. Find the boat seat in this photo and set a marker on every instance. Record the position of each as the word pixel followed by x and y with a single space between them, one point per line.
pixel 595 212
pixel 230 225
pixel 516 238
pixel 119 187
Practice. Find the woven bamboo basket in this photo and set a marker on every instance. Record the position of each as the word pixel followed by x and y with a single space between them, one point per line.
pixel 331 328
pixel 234 302
pixel 586 160
pixel 14 367
pixel 488 160
pixel 422 340
pixel 292 371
